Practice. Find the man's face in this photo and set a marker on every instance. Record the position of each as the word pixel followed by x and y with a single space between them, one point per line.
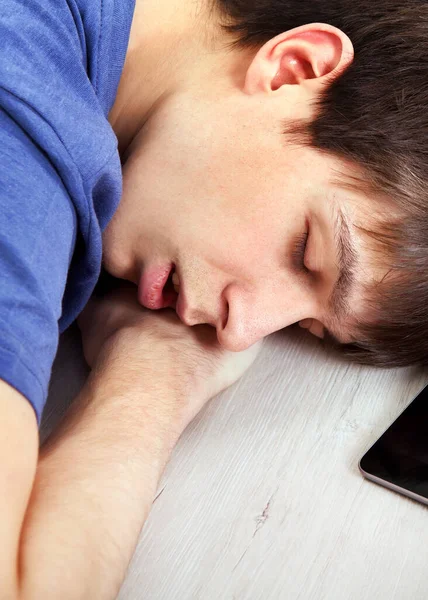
pixel 254 226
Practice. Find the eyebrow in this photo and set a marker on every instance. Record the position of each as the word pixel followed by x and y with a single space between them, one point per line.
pixel 347 260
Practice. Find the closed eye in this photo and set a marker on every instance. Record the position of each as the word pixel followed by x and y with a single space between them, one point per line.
pixel 298 254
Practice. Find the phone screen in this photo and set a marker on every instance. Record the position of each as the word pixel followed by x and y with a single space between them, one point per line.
pixel 399 459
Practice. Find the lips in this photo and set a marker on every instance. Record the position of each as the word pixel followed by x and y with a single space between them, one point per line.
pixel 156 290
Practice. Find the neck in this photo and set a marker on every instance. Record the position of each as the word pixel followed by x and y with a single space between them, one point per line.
pixel 167 38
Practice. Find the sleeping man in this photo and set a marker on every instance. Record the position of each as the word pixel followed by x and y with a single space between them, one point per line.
pixel 245 165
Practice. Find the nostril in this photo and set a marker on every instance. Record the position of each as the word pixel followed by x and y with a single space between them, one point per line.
pixel 225 315
pixel 188 317
pixel 233 344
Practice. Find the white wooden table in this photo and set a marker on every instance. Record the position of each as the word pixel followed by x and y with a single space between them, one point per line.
pixel 263 499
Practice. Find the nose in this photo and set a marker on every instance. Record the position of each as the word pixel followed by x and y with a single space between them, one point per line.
pixel 190 314
pixel 254 314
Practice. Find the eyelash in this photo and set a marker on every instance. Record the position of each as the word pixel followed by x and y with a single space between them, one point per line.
pixel 299 251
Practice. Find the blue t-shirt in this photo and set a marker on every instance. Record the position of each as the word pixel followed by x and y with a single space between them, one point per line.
pixel 60 171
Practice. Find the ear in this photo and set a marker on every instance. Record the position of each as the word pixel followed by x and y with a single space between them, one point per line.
pixel 312 54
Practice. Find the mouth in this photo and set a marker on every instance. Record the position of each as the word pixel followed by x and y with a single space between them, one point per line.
pixel 159 287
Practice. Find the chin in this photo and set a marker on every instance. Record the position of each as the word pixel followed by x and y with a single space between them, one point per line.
pixel 119 266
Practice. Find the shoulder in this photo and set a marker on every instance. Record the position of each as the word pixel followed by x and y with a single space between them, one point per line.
pixel 37 31
pixel 45 82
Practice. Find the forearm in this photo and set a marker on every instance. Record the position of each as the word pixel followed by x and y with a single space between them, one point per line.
pixel 95 483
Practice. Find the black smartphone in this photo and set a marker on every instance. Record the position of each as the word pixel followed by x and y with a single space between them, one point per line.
pixel 399 459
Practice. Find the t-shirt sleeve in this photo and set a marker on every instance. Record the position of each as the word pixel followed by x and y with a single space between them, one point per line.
pixel 37 237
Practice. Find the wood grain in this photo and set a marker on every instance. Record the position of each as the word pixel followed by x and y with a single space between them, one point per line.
pixel 263 499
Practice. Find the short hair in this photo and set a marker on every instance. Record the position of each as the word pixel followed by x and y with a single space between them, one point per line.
pixel 374 116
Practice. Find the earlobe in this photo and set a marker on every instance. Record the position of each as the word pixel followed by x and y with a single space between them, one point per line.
pixel 312 53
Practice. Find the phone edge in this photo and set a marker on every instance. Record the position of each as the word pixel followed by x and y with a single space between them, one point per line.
pixel 392 486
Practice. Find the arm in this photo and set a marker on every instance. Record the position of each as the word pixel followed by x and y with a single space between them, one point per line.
pixel 96 480
pixel 94 484
pixel 93 489
pixel 97 476
pixel 18 452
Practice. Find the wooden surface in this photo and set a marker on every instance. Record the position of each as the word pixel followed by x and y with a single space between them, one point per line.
pixel 263 499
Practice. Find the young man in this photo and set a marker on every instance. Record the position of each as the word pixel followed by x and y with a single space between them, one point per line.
pixel 274 171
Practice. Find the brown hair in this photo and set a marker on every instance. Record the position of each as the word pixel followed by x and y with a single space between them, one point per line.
pixel 375 115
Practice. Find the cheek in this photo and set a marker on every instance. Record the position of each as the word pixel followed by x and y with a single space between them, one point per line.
pixel 202 197
pixel 241 247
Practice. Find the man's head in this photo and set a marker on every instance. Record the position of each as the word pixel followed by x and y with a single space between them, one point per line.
pixel 280 166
